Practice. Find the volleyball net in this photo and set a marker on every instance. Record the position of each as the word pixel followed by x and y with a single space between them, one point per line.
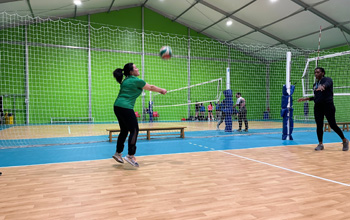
pixel 56 77
pixel 337 67
pixel 204 92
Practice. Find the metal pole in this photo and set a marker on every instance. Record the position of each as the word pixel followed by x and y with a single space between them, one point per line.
pixel 27 74
pixel 189 72
pixel 143 62
pixel 89 69
pixel 289 57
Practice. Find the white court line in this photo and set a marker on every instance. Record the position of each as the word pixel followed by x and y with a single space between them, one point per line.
pixel 283 168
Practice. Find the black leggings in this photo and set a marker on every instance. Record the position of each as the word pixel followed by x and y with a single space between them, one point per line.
pixel 328 110
pixel 127 123
pixel 242 116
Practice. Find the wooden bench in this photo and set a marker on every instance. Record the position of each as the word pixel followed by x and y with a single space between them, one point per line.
pixel 148 130
pixel 345 126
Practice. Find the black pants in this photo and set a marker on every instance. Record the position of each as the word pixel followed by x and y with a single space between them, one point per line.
pixel 127 123
pixel 242 116
pixel 328 110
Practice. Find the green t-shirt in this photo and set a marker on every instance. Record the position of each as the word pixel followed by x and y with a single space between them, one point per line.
pixel 130 89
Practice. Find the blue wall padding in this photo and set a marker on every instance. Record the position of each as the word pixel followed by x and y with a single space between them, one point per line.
pixel 228 109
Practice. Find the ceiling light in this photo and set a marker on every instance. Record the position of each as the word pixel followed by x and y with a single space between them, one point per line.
pixel 273 1
pixel 229 23
pixel 77 2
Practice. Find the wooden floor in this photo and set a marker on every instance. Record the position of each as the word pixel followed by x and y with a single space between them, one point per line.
pixel 275 183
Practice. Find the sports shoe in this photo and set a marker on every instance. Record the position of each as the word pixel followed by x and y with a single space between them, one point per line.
pixel 239 130
pixel 346 145
pixel 319 147
pixel 118 157
pixel 131 160
pixel 246 130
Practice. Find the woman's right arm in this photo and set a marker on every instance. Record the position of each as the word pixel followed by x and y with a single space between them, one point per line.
pixel 303 99
pixel 154 89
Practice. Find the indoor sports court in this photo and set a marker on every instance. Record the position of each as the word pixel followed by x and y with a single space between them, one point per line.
pixel 58 130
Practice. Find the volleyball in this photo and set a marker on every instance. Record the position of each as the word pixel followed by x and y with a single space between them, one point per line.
pixel 165 52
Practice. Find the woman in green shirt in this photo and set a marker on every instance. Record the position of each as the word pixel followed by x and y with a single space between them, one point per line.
pixel 130 88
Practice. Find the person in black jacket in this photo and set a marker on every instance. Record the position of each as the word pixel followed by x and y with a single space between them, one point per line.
pixel 324 106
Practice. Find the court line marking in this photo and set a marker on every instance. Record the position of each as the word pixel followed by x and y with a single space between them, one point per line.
pixel 283 168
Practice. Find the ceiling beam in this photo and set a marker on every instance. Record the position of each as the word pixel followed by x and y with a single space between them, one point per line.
pixel 110 7
pixel 317 32
pixel 248 24
pixel 75 11
pixel 281 19
pixel 143 5
pixel 321 15
pixel 244 6
pixel 182 23
pixel 186 10
pixel 30 8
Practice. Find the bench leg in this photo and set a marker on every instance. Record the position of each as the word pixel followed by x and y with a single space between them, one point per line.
pixel 110 136
pixel 327 127
pixel 148 135
pixel 182 135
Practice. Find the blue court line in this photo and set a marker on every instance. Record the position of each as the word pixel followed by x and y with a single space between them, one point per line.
pixel 198 141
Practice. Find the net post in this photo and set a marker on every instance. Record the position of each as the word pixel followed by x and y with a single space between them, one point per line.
pixel 228 86
pixel 288 66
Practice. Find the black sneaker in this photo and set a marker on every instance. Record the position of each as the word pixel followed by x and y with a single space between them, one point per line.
pixel 246 130
pixel 239 130
pixel 319 147
pixel 346 145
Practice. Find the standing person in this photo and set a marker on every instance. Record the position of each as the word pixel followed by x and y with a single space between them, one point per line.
pixel 324 106
pixel 202 110
pixel 217 110
pixel 242 112
pixel 130 88
pixel 220 114
pixel 210 112
pixel 197 107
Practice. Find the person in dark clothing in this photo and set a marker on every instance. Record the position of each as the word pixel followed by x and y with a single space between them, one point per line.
pixel 130 88
pixel 324 106
pixel 197 107
pixel 242 112
pixel 220 114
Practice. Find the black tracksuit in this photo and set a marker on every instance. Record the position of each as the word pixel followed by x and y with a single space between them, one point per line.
pixel 324 106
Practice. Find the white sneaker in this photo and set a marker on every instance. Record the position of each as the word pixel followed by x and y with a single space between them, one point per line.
pixel 118 157
pixel 131 160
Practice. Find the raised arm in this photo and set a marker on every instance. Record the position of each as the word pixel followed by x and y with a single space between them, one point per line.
pixel 154 89
pixel 304 99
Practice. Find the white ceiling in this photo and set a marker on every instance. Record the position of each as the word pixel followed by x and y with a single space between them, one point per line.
pixel 293 23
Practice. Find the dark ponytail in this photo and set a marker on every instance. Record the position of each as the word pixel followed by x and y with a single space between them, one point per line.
pixel 118 73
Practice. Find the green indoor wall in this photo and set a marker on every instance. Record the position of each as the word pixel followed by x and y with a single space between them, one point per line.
pixel 59 83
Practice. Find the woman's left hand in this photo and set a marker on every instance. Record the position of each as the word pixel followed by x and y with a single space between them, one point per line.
pixel 320 88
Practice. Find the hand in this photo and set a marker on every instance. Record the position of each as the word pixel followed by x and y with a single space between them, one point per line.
pixel 303 99
pixel 320 88
pixel 163 91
